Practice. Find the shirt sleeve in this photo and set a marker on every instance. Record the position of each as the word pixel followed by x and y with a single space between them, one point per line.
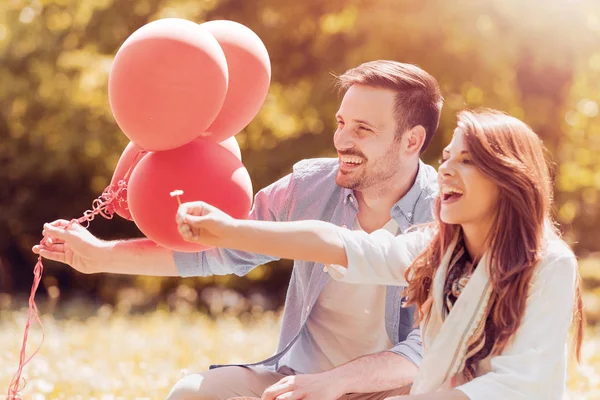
pixel 270 204
pixel 533 366
pixel 411 348
pixel 379 258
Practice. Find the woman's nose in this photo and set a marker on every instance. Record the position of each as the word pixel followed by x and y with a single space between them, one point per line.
pixel 446 169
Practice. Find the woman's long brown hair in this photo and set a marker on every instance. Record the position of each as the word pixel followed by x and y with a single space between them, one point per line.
pixel 512 155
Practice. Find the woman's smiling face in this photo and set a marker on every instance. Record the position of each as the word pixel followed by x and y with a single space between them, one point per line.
pixel 467 195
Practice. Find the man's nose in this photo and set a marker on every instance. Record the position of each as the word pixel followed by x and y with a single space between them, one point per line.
pixel 342 139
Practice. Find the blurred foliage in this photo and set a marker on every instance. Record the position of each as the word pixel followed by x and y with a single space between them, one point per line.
pixel 536 59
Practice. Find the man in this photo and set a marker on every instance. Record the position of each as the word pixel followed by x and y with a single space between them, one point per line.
pixel 335 338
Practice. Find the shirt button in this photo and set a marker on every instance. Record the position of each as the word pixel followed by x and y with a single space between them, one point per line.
pixel 409 214
pixel 325 269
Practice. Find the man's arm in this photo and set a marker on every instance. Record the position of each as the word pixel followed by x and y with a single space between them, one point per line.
pixel 368 374
pixel 136 257
pixel 375 373
pixel 445 395
pixel 77 247
pixel 74 245
pixel 388 370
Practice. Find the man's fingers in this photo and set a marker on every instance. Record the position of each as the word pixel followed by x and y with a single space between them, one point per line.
pixel 62 229
pixel 62 225
pixel 50 241
pixel 51 231
pixel 244 398
pixel 58 247
pixel 52 255
pixel 59 223
pixel 294 395
pixel 54 247
pixel 283 386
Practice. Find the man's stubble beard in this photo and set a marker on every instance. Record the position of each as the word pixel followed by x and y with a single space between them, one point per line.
pixel 345 181
pixel 369 179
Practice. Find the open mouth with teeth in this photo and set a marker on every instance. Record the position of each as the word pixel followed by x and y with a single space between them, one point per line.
pixel 450 194
pixel 351 161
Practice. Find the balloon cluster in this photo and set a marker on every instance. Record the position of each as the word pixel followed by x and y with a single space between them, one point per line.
pixel 180 91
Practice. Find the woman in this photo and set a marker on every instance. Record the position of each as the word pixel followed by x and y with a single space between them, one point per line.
pixel 495 285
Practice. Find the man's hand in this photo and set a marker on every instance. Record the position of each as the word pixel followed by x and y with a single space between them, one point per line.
pixel 202 223
pixel 305 387
pixel 72 244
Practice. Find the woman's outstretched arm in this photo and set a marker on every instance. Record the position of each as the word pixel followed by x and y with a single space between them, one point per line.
pixel 316 241
pixel 353 256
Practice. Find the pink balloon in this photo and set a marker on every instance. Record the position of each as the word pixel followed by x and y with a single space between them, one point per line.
pixel 130 157
pixel 167 83
pixel 233 146
pixel 204 170
pixel 127 162
pixel 249 70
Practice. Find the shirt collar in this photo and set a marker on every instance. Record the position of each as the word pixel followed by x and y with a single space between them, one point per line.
pixel 407 203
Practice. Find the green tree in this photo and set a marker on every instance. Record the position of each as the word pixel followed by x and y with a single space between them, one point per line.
pixel 537 60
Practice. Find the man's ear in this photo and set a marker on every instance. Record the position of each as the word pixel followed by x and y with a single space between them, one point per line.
pixel 414 139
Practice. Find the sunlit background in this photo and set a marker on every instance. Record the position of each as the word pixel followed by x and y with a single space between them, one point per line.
pixel 111 337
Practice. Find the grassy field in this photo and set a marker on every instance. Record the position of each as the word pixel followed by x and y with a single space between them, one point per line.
pixel 111 355
pixel 108 356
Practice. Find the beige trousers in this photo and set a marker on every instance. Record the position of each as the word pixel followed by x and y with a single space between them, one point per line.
pixel 227 382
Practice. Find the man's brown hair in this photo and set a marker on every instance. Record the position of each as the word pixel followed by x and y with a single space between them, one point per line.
pixel 418 96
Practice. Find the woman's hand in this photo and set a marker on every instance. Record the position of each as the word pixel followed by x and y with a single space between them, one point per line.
pixel 200 222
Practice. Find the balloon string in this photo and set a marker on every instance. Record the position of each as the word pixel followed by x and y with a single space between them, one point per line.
pixel 139 154
pixel 104 206
pixel 18 384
